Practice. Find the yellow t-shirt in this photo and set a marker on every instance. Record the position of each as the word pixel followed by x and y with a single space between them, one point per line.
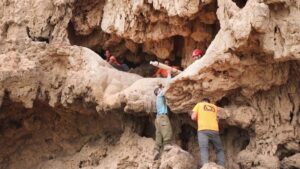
pixel 206 116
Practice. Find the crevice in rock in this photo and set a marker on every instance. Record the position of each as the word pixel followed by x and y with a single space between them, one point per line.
pixel 278 6
pixel 144 126
pixel 186 135
pixel 240 3
pixel 149 129
pixel 39 38
pixel 282 152
pixel 5 27
pixel 224 101
pixel 178 49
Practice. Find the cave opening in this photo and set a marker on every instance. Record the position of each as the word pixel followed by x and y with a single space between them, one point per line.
pixel 41 133
pixel 140 124
pixel 224 101
pixel 240 138
pixel 178 51
pixel 99 41
pixel 186 135
pixel 200 31
pixel 240 3
pixel 147 127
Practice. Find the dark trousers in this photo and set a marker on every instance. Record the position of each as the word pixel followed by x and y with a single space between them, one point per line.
pixel 204 137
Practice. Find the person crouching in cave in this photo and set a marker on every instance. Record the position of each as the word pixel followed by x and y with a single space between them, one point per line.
pixel 116 64
pixel 112 60
pixel 163 134
pixel 162 72
pixel 205 114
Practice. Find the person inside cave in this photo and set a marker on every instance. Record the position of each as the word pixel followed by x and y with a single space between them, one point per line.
pixel 197 54
pixel 206 115
pixel 112 60
pixel 163 133
pixel 117 64
pixel 107 55
pixel 162 72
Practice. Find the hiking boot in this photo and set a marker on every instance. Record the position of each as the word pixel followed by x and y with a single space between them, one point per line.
pixel 167 147
pixel 156 155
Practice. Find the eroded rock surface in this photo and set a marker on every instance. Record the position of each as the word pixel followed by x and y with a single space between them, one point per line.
pixel 177 158
pixel 63 106
pixel 211 166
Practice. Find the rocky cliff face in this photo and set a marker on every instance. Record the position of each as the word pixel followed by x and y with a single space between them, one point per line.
pixel 63 106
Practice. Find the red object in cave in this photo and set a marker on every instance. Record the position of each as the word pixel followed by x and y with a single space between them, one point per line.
pixel 197 53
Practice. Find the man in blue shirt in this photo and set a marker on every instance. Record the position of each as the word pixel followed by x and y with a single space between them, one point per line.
pixel 163 134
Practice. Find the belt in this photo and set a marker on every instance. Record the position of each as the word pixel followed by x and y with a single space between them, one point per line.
pixel 164 114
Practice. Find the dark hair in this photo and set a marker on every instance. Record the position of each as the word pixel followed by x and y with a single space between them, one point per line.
pixel 206 100
pixel 167 60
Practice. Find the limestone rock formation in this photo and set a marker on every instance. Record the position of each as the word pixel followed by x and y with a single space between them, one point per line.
pixel 130 151
pixel 63 106
pixel 211 166
pixel 177 158
pixel 292 161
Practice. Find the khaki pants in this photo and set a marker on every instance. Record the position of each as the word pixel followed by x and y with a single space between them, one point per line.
pixel 163 134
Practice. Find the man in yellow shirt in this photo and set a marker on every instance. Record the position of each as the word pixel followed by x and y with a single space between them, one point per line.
pixel 208 130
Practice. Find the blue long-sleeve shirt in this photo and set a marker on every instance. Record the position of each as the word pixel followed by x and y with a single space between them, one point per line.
pixel 161 105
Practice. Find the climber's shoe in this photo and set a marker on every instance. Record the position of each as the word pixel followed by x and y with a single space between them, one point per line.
pixel 156 155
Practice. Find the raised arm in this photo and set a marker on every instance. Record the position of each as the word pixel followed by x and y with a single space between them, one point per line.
pixel 168 82
pixel 222 113
pixel 195 113
pixel 169 78
pixel 194 116
pixel 220 110
pixel 157 73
